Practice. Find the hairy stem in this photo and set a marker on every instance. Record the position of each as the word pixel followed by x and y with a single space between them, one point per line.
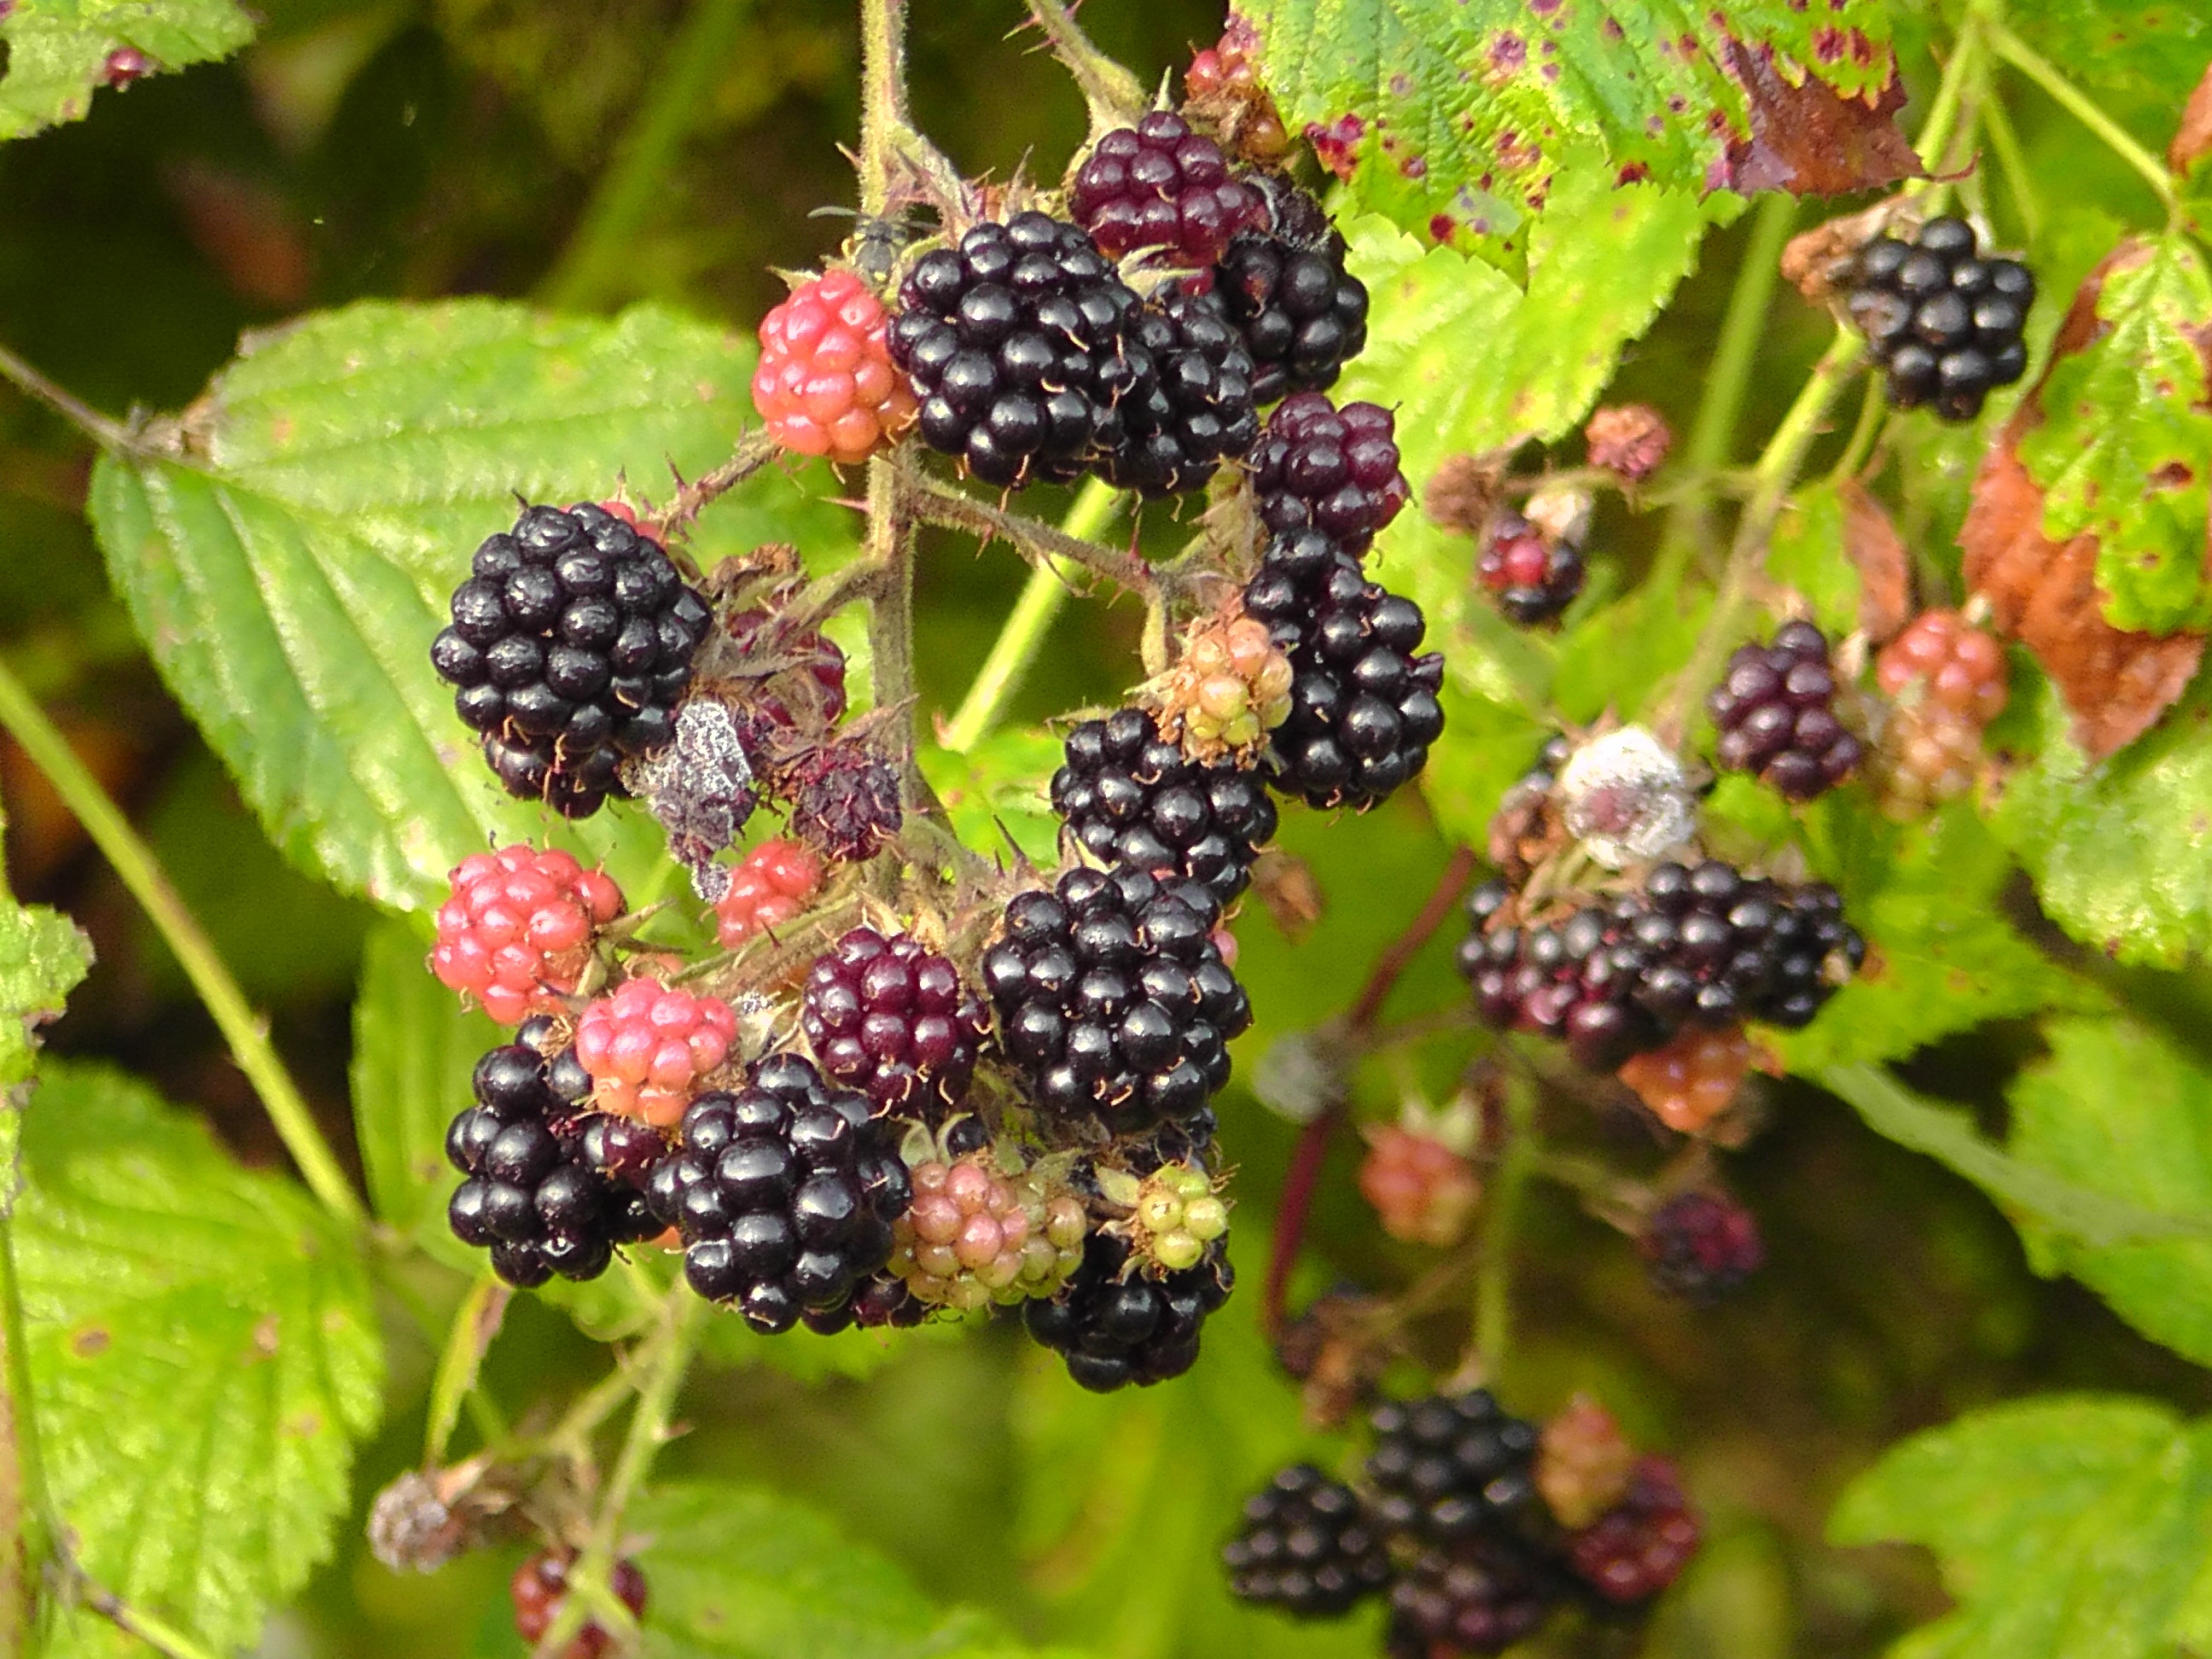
pixel 2084 109
pixel 1116 98
pixel 156 1633
pixel 107 433
pixel 133 862
pixel 891 611
pixel 754 451
pixel 1041 545
pixel 883 99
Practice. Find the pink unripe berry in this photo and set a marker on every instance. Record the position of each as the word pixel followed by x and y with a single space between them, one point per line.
pixel 518 928
pixel 825 385
pixel 767 890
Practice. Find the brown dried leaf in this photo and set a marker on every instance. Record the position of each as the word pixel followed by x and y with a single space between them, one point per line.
pixel 1811 259
pixel 2193 141
pixel 1464 491
pixel 1877 553
pixel 1807 138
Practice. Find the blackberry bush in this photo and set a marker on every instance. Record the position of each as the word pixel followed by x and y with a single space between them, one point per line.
pixel 518 930
pixel 1307 1546
pixel 825 383
pixel 975 1236
pixel 1449 1467
pixel 1944 322
pixel 1113 1329
pixel 892 1019
pixel 1190 404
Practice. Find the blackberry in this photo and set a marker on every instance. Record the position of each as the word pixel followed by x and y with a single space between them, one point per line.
pixel 845 801
pixel 1533 576
pixel 892 1019
pixel 878 1302
pixel 540 1588
pixel 1112 1331
pixel 1319 467
pixel 1448 1465
pixel 1641 1544
pixel 1304 316
pixel 1701 1245
pixel 1130 798
pixel 570 643
pixel 1189 404
pixel 1307 1545
pixel 1112 998
pixel 1481 1595
pixel 1364 707
pixel 1775 709
pixel 1019 342
pixel 1160 185
pixel 1944 322
pixel 784 1192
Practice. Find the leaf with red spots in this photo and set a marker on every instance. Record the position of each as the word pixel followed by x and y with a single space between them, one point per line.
pixel 1456 117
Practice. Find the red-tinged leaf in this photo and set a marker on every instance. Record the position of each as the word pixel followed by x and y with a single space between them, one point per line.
pixel 1877 552
pixel 2192 140
pixel 1807 140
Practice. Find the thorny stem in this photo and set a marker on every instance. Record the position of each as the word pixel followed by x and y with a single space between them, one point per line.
pixel 890 550
pixel 1501 1215
pixel 883 99
pixel 1115 97
pixel 475 1323
pixel 107 433
pixel 754 451
pixel 1041 545
pixel 140 872
pixel 2077 104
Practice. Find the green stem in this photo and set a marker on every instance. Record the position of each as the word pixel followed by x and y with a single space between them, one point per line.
pixel 600 260
pixel 107 433
pixel 1116 98
pixel 156 1633
pixel 140 872
pixel 1944 110
pixel 1015 651
pixel 883 98
pixel 1501 1219
pixel 1872 407
pixel 476 1322
pixel 2077 104
pixel 2020 182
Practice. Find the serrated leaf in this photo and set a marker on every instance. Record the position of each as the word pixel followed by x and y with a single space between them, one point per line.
pixel 2139 47
pixel 2122 451
pixel 2116 1108
pixel 203 1354
pixel 997 790
pixel 2067 1525
pixel 1460 120
pixel 289 558
pixel 43 956
pixel 59 50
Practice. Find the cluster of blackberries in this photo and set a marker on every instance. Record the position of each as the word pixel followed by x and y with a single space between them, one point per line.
pixel 550 1187
pixel 1364 707
pixel 1775 710
pixel 1308 1545
pixel 1114 1326
pixel 1159 184
pixel 1535 576
pixel 1708 946
pixel 570 643
pixel 1944 322
pixel 890 1017
pixel 1304 316
pixel 1319 467
pixel 1130 798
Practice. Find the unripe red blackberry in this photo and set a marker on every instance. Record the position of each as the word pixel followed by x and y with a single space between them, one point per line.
pixel 1641 1544
pixel 1230 687
pixel 1481 1595
pixel 1944 658
pixel 1447 1466
pixel 570 643
pixel 1628 441
pixel 1223 90
pixel 1692 1078
pixel 1160 185
pixel 1112 998
pixel 768 890
pixel 1945 324
pixel 975 1236
pixel 785 1193
pixel 518 929
pixel 1775 709
pixel 845 801
pixel 1424 1192
pixel 1113 1331
pixel 1307 1546
pixel 892 1018
pixel 1927 754
pixel 1584 1463
pixel 1319 467
pixel 646 1045
pixel 1304 316
pixel 1534 577
pixel 1189 404
pixel 825 384
pixel 540 1588
pixel 1701 1245
pixel 1130 798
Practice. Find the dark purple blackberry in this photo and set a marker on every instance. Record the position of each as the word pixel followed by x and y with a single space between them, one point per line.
pixel 1775 709
pixel 1364 707
pixel 845 801
pixel 784 1192
pixel 1639 1545
pixel 892 1018
pixel 1307 1546
pixel 1021 343
pixel 1304 316
pixel 571 643
pixel 1448 1465
pixel 1534 577
pixel 1131 798
pixel 1701 1245
pixel 1945 324
pixel 1112 1331
pixel 1113 999
pixel 1160 185
pixel 1319 467
pixel 881 1300
pixel 1480 1595
pixel 1190 405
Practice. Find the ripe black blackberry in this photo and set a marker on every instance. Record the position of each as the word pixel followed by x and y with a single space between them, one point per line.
pixel 1449 1465
pixel 1160 185
pixel 1131 798
pixel 1944 322
pixel 1364 707
pixel 1307 1546
pixel 1319 467
pixel 1303 315
pixel 570 643
pixel 1775 709
pixel 784 1192
pixel 1701 1245
pixel 1020 342
pixel 890 1017
pixel 1481 1595
pixel 1535 576
pixel 1112 1332
pixel 1189 402
pixel 879 1301
pixel 1113 999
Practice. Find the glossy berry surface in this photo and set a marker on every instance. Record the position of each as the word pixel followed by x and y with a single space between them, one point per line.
pixel 1129 797
pixel 890 1017
pixel 768 888
pixel 1479 1596
pixel 646 1046
pixel 1701 1245
pixel 569 645
pixel 1944 322
pixel 1534 578
pixel 1113 1332
pixel 1159 184
pixel 1641 1544
pixel 1319 467
pixel 540 1588
pixel 1304 316
pixel 825 384
pixel 1190 405
pixel 1447 1466
pixel 1693 1079
pixel 1422 1190
pixel 976 1236
pixel 1775 711
pixel 518 929
pixel 1307 1546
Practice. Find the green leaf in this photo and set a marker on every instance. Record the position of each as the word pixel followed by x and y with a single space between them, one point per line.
pixel 2117 1109
pixel 57 50
pixel 2067 1525
pixel 1807 553
pixel 997 790
pixel 43 956
pixel 2121 451
pixel 2139 47
pixel 1462 120
pixel 288 555
pixel 203 1352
